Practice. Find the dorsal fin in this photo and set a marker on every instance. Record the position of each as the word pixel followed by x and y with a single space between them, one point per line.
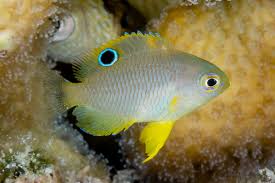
pixel 126 45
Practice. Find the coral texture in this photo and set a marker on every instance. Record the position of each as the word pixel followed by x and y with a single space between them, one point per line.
pixel 91 25
pixel 152 8
pixel 233 136
pixel 33 146
pixel 19 19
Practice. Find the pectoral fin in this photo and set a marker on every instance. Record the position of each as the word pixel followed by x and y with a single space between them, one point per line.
pixel 154 135
pixel 98 123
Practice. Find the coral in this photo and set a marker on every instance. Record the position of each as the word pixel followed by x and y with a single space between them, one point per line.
pixel 14 164
pixel 34 145
pixel 126 176
pixel 231 139
pixel 30 15
pixel 153 8
pixel 81 26
pixel 266 175
pixel 27 123
pixel 233 136
pixel 149 8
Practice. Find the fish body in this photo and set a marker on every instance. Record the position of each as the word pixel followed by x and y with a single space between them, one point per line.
pixel 140 78
pixel 141 87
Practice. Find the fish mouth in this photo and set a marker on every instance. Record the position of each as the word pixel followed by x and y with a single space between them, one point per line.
pixel 226 83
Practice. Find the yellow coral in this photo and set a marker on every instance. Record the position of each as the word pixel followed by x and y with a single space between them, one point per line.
pixel 241 45
pixel 26 122
pixel 239 125
pixel 19 19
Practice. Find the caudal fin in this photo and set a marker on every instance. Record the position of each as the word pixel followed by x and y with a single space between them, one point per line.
pixel 53 84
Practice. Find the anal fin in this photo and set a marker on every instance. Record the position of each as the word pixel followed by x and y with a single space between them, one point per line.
pixel 154 135
pixel 98 123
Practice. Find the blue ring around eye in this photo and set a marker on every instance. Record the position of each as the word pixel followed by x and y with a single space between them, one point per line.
pixel 114 59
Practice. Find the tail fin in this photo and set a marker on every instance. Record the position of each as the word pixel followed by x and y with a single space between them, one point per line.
pixel 53 86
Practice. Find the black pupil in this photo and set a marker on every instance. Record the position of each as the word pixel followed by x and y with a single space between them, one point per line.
pixel 107 57
pixel 211 82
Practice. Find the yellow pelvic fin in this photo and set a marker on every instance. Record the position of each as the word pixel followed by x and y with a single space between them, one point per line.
pixel 154 135
pixel 173 104
pixel 98 123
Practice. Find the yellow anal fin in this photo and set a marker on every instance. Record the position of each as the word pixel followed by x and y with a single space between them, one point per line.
pixel 98 123
pixel 154 135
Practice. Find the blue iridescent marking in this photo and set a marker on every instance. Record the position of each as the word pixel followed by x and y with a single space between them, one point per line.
pixel 112 55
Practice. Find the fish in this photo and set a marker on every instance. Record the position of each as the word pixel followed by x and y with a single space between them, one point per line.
pixel 139 78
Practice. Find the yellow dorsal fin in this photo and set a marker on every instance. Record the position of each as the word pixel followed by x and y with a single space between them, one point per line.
pixel 131 43
pixel 154 135
pixel 126 45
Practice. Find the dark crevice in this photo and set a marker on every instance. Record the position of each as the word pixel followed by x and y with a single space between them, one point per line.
pixel 102 145
pixel 66 71
pixel 130 19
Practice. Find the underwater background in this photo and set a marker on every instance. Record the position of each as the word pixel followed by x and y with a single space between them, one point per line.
pixel 231 139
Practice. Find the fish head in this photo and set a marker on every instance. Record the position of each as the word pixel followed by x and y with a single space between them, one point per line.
pixel 198 81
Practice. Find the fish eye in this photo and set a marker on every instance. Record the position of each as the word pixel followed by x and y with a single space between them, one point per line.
pixel 108 57
pixel 63 28
pixel 210 82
